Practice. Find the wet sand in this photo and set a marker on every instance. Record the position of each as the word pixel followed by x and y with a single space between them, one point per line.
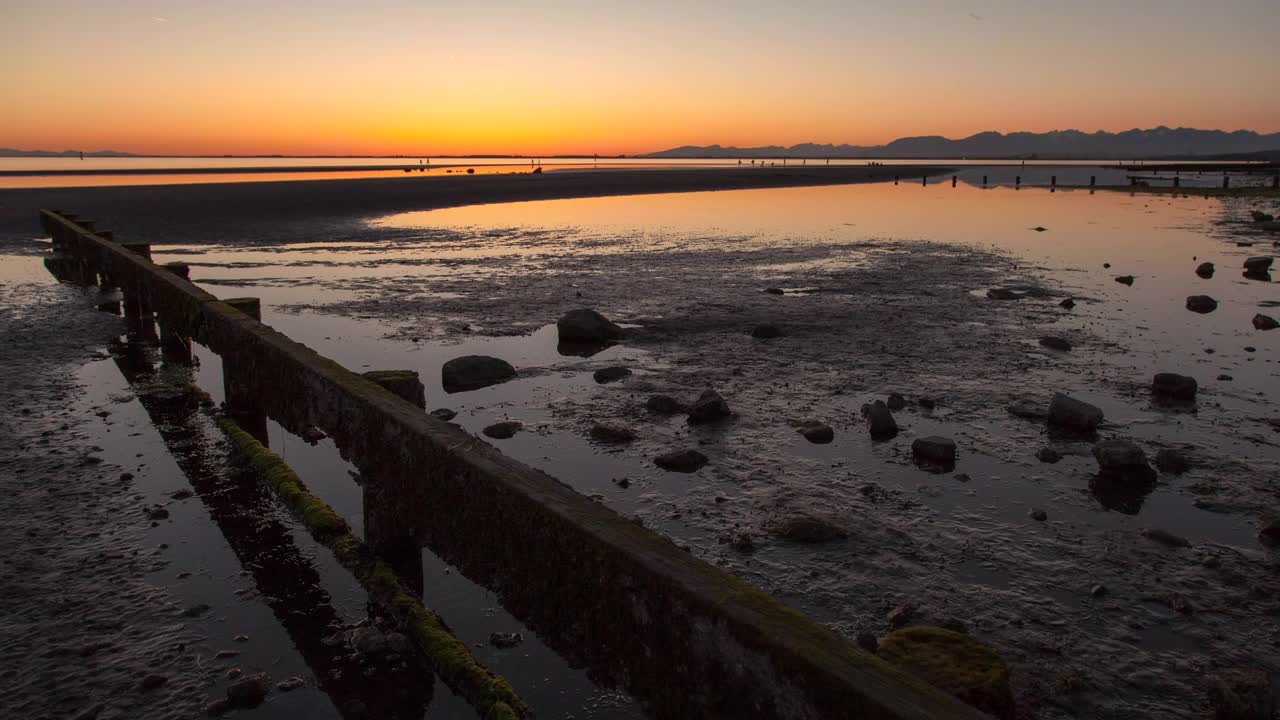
pixel 257 212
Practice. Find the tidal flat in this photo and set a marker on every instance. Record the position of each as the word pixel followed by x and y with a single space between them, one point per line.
pixel 934 299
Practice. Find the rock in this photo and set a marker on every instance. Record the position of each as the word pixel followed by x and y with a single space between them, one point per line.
pixel 1225 378
pixel 816 432
pixel 444 414
pixel 153 681
pixel 1071 414
pixel 1201 304
pixel 610 374
pixel 1264 322
pixel 1172 462
pixel 611 433
pixel 1002 294
pixel 1039 228
pixel 1172 386
pixel 404 384
pixel 896 401
pixel 927 403
pixel 1027 409
pixel 774 291
pixel 809 528
pixel 1048 455
pixel 290 684
pixel 155 513
pixel 585 325
pixel 954 663
pixel 1257 264
pixel 663 405
pixel 1269 529
pixel 765 331
pixel 250 691
pixel 1164 537
pixel 685 461
pixel 708 408
pixel 503 430
pixel 1205 269
pixel 505 640
pixel 1039 515
pixel 1124 279
pixel 218 707
pixel 1259 216
pixel 1098 591
pixel 1120 458
pixel 880 421
pixel 1068 303
pixel 472 372
pixel 934 449
pixel 1055 343
pixel 1241 695
pixel 313 434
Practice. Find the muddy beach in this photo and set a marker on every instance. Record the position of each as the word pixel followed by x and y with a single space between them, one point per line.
pixel 872 296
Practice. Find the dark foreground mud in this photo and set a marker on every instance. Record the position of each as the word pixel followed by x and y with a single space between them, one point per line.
pixel 82 628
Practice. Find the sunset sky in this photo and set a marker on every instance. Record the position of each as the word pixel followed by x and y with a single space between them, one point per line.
pixel 423 78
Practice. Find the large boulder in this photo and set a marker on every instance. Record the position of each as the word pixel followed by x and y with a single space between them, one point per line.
pixel 934 449
pixel 880 421
pixel 472 372
pixel 1264 322
pixel 1257 264
pixel 504 430
pixel 611 374
pixel 684 461
pixel 403 383
pixel 1070 414
pixel 709 407
pixel 1201 304
pixel 585 325
pixel 1121 458
pixel 1172 386
pixel 954 663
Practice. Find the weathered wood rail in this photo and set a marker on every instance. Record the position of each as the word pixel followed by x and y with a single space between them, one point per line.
pixel 686 638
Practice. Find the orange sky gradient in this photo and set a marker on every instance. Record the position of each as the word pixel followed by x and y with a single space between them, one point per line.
pixel 566 77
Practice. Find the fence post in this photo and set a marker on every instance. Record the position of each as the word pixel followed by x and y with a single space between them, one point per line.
pixel 242 405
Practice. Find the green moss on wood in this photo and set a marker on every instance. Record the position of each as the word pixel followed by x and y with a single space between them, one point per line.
pixel 954 662
pixel 448 656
